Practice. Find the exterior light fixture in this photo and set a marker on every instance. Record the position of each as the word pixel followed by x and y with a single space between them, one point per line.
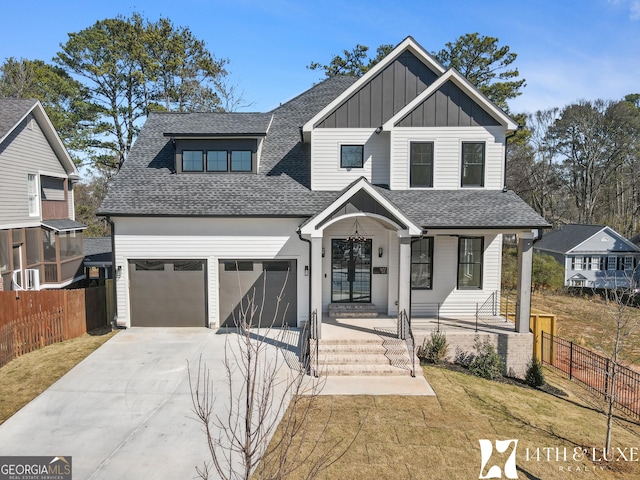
pixel 323 252
pixel 306 270
pixel 380 251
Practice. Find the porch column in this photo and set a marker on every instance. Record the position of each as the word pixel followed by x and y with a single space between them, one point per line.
pixel 404 273
pixel 525 264
pixel 315 278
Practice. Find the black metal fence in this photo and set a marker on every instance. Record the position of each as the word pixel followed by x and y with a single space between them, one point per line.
pixel 596 372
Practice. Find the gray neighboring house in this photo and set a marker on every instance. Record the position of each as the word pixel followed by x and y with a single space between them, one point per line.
pixel 385 191
pixel 41 244
pixel 593 256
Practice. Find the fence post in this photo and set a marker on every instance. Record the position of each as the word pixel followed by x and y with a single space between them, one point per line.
pixel 438 315
pixel 570 360
pixel 607 378
pixel 476 317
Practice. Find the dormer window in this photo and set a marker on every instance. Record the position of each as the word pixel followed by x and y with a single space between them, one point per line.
pixel 216 156
pixel 240 161
pixel 192 161
pixel 216 160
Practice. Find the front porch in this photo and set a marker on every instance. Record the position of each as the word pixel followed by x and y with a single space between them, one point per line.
pixel 340 333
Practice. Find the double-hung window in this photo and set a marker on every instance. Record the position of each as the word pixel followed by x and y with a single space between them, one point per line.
pixel 628 263
pixel 351 156
pixel 472 164
pixel 612 263
pixel 422 264
pixel 421 164
pixel 470 253
pixel 32 194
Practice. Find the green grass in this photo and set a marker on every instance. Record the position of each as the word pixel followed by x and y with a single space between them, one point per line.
pixel 25 377
pixel 437 437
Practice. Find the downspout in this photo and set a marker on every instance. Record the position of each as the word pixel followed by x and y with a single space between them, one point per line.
pixel 506 143
pixel 310 267
pixel 114 320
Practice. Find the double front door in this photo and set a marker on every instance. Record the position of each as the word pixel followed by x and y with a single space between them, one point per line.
pixel 351 270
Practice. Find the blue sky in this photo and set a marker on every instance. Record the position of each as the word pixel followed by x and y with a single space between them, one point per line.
pixel 567 49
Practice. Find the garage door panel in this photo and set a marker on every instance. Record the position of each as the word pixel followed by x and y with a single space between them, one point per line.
pixel 258 283
pixel 167 293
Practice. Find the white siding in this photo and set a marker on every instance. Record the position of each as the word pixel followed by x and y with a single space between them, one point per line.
pixel 25 151
pixel 211 240
pixel 326 173
pixel 445 291
pixel 447 154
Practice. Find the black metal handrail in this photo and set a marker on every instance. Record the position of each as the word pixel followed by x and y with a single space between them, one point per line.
pixel 405 333
pixel 310 347
pixel 487 309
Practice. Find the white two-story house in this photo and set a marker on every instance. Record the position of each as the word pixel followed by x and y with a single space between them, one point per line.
pixel 385 190
pixel 41 244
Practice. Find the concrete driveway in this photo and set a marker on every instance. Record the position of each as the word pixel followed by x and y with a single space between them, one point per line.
pixel 125 411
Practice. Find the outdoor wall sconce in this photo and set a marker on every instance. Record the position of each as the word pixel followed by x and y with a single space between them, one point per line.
pixel 119 271
pixel 322 252
pixel 380 251
pixel 306 270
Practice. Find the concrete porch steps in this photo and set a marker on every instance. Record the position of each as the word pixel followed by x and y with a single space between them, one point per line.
pixel 375 355
pixel 353 310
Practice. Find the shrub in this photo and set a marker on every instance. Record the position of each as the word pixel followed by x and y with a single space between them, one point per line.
pixel 534 376
pixel 434 349
pixel 487 362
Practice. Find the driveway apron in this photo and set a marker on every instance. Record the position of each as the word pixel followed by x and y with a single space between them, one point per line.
pixel 125 411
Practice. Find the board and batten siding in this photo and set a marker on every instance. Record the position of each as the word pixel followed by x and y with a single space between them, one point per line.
pixel 326 173
pixel 447 145
pixel 210 239
pixel 445 276
pixel 25 151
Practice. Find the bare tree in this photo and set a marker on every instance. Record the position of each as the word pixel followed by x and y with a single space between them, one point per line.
pixel 264 432
pixel 622 314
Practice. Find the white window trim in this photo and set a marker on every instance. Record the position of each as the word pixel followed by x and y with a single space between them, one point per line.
pixel 33 193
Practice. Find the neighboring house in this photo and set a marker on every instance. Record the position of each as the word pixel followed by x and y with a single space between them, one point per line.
pixel 97 259
pixel 40 242
pixel 387 190
pixel 593 256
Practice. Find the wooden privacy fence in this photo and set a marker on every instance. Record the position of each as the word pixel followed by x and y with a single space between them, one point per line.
pixel 539 323
pixel 594 371
pixel 32 319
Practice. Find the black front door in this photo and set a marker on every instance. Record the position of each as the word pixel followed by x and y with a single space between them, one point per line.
pixel 351 271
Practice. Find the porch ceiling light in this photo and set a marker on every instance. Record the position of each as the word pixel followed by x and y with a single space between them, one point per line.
pixel 356 236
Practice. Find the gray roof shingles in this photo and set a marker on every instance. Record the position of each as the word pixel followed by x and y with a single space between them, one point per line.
pixel 219 123
pixel 147 185
pixel 11 111
pixel 563 239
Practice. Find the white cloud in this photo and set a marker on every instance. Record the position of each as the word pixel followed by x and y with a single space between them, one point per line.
pixel 634 7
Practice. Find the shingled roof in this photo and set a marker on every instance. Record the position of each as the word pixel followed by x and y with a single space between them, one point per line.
pixel 206 124
pixel 147 184
pixel 12 110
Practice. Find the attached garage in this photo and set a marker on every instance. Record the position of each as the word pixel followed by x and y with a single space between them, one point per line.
pixel 168 293
pixel 260 281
